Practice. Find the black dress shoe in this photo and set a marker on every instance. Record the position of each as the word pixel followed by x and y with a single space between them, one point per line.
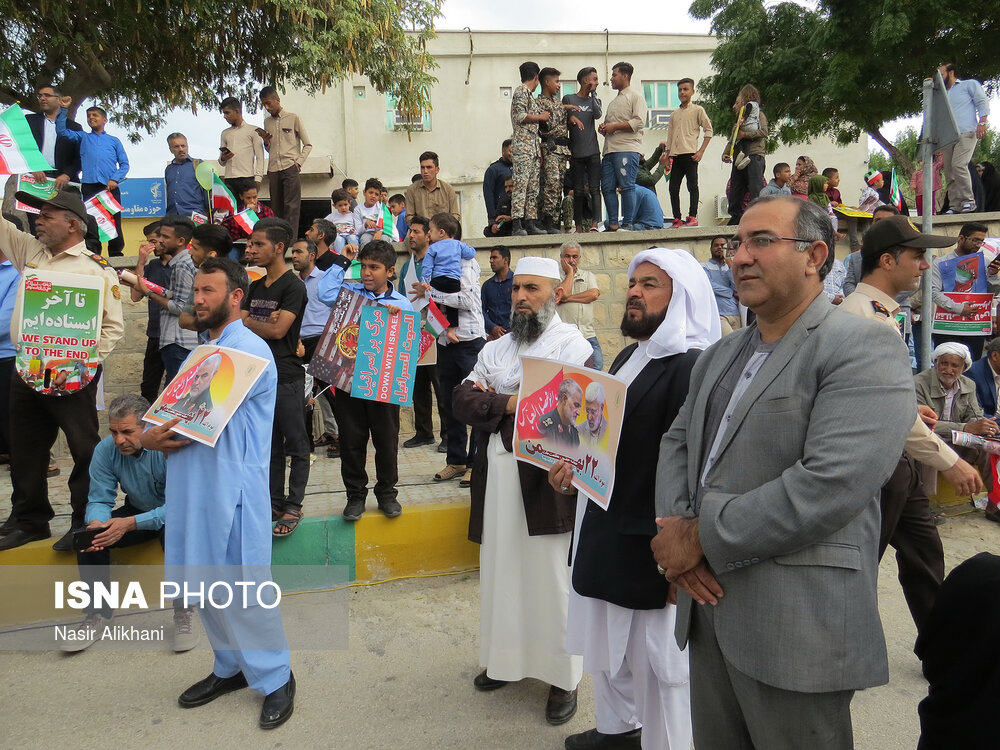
pixel 17 537
pixel 207 690
pixel 994 516
pixel 278 706
pixel 65 543
pixel 417 440
pixel 594 740
pixel 485 683
pixel 442 446
pixel 561 706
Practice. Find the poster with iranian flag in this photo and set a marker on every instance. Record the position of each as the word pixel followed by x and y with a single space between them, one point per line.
pixel 18 151
pixel 963 280
pixel 573 414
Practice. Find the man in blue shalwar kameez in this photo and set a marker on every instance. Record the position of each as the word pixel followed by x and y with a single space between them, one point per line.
pixel 218 513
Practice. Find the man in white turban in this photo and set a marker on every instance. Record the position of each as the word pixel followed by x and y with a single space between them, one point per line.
pixel 523 527
pixel 952 396
pixel 621 619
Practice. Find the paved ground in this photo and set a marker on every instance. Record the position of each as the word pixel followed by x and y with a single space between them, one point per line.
pixel 404 681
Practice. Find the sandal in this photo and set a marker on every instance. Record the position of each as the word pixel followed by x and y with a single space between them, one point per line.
pixel 288 523
pixel 449 472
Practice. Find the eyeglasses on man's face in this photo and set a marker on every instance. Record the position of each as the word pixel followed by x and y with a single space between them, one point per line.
pixel 758 243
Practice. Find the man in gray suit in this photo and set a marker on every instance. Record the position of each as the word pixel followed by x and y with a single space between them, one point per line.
pixel 767 488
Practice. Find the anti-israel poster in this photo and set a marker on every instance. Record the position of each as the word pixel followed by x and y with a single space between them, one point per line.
pixel 387 356
pixel 337 349
pixel 211 385
pixel 963 280
pixel 573 414
pixel 61 317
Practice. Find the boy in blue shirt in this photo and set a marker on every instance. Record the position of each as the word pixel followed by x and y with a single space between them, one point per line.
pixel 359 418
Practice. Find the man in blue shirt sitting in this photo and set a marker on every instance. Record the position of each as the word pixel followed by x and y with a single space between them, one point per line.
pixel 120 460
pixel 104 162
pixel 184 195
pixel 720 274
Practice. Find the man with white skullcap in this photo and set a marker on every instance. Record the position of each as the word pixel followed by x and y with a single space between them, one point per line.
pixel 952 395
pixel 620 619
pixel 523 526
pixel 892 262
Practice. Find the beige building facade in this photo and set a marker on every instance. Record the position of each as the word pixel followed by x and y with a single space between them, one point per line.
pixel 356 131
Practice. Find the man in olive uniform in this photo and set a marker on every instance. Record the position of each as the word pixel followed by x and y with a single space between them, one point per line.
pixel 524 150
pixel 560 423
pixel 555 148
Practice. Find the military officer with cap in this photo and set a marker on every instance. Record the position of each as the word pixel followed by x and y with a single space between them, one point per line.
pixel 37 417
pixel 892 262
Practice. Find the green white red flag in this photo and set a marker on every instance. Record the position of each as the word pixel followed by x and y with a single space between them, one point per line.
pixel 387 223
pixel 223 201
pixel 246 220
pixel 18 150
pixel 894 194
pixel 102 208
pixel 436 323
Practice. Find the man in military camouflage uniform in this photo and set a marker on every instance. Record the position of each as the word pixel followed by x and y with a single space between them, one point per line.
pixel 555 148
pixel 524 118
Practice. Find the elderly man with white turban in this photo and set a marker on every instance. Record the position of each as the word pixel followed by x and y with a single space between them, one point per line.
pixel 621 619
pixel 952 396
pixel 522 525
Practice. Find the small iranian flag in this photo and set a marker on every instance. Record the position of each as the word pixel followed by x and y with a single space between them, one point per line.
pixel 104 217
pixel 386 219
pixel 18 151
pixel 246 220
pixel 223 201
pixel 106 199
pixel 436 323
pixel 895 196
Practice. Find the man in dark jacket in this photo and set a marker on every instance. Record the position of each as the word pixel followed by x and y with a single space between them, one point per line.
pixel 61 153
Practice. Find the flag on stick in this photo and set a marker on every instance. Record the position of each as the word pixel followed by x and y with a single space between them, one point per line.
pixel 18 151
pixel 894 195
pixel 409 279
pixel 247 219
pixel 436 323
pixel 223 201
pixel 387 223
pixel 106 228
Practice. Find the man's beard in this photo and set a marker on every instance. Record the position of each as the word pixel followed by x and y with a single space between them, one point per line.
pixel 644 327
pixel 215 318
pixel 526 327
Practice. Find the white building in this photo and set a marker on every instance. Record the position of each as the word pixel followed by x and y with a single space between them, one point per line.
pixel 356 131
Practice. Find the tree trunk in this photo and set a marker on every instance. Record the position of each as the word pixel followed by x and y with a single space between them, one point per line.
pixel 902 160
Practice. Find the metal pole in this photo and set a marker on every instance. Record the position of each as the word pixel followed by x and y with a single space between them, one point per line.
pixel 927 225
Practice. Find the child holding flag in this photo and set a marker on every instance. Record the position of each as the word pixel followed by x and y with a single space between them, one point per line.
pixel 442 266
pixel 240 225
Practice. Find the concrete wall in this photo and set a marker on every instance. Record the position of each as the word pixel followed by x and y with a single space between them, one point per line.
pixel 607 255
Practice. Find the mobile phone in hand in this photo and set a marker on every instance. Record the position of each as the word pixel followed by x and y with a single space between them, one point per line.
pixel 84 538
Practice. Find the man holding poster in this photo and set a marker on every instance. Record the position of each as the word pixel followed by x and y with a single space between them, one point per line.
pixel 523 526
pixel 66 392
pixel 218 511
pixel 619 616
pixel 963 287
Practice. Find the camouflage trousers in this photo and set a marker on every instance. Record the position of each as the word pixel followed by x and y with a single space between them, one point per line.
pixel 553 172
pixel 524 198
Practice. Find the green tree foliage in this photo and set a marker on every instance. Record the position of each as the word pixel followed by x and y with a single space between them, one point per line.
pixel 840 68
pixel 141 58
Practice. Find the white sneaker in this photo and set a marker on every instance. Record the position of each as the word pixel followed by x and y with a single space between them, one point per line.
pixel 86 635
pixel 185 638
pixel 968 207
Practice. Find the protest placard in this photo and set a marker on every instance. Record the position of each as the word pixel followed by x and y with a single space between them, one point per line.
pixel 573 414
pixel 387 356
pixel 963 280
pixel 207 391
pixel 61 317
pixel 333 360
pixel 26 183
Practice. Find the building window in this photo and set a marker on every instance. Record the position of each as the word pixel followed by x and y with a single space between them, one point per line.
pixel 566 88
pixel 398 120
pixel 661 99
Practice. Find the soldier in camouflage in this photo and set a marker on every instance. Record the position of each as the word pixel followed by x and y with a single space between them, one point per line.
pixel 524 118
pixel 555 147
